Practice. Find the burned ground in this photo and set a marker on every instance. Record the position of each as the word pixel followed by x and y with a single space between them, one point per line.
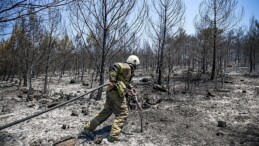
pixel 204 115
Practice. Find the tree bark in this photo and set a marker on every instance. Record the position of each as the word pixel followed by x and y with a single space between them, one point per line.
pixel 99 94
pixel 213 70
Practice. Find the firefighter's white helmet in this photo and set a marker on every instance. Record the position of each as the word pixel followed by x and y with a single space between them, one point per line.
pixel 133 59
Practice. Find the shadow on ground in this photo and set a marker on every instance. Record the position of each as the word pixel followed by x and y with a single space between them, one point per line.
pixel 104 133
pixel 250 136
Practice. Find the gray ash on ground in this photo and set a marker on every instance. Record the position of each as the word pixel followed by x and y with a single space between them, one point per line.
pixel 180 119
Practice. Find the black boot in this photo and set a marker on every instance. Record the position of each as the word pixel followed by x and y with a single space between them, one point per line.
pixel 85 132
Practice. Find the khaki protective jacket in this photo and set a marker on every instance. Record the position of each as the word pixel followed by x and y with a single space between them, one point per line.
pixel 121 74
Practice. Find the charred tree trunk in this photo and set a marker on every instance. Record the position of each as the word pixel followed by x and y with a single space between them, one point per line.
pixel 102 65
pixel 161 65
pixel 25 79
pixel 82 71
pixel 251 59
pixel 46 74
pixel 45 89
pixel 213 70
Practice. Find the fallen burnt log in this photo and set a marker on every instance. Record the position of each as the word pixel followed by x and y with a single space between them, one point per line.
pixel 229 82
pixel 159 88
pixel 223 90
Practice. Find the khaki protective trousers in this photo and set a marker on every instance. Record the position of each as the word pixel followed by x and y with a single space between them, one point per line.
pixel 114 104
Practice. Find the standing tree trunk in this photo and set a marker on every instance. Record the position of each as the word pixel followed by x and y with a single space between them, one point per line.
pixel 99 94
pixel 45 89
pixel 54 20
pixel 82 70
pixel 103 24
pixel 30 83
pixel 161 62
pixel 170 13
pixel 251 59
pixel 213 69
pixel 25 78
pixel 220 16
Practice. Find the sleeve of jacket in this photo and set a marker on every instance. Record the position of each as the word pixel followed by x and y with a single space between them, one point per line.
pixel 130 85
pixel 113 72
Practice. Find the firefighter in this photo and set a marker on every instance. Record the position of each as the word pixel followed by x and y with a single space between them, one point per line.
pixel 120 75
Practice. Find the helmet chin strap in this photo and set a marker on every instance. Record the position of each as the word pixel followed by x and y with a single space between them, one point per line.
pixel 133 66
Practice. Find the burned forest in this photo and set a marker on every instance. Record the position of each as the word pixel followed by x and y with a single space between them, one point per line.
pixel 66 63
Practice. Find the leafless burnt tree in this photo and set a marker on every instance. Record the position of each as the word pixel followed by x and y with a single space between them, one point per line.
pixel 11 10
pixel 252 42
pixel 52 28
pixel 220 16
pixel 101 22
pixel 170 14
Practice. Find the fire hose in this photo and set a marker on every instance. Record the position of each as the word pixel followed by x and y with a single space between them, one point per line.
pixel 50 109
